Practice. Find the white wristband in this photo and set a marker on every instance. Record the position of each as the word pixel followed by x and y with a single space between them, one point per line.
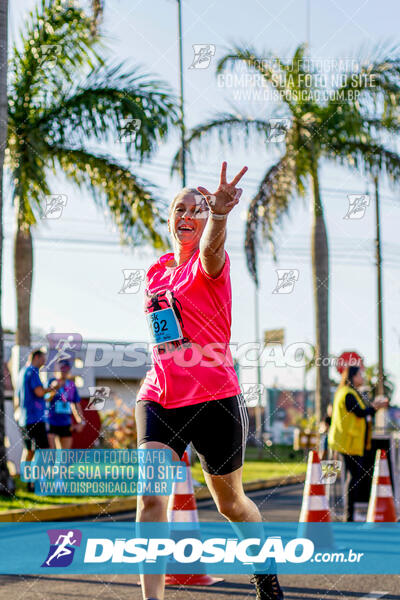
pixel 217 216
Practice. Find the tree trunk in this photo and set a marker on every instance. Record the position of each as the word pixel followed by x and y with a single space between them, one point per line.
pixel 4 476
pixel 320 268
pixel 97 9
pixel 23 269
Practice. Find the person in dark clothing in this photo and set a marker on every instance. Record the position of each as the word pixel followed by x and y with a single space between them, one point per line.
pixel 29 407
pixel 350 432
pixel 323 434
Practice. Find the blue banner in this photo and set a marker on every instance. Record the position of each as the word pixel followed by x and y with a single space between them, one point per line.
pixel 103 472
pixel 132 548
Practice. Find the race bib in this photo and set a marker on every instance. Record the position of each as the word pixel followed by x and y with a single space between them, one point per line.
pixel 62 408
pixel 164 326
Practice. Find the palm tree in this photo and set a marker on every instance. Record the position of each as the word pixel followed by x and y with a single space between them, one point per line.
pixel 342 128
pixel 309 360
pixel 4 476
pixel 97 8
pixel 63 101
pixel 372 378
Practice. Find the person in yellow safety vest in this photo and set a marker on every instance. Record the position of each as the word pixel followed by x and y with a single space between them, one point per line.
pixel 351 431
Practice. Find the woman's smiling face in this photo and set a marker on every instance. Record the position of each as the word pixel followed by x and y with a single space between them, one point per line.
pixel 187 219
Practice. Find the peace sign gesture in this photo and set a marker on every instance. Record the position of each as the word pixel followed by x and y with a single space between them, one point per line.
pixel 227 194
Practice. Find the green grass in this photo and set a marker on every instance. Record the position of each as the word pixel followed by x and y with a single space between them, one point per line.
pixel 26 500
pixel 276 461
pixel 256 470
pixel 276 453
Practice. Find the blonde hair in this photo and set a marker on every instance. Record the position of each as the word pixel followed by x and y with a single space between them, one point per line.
pixel 183 192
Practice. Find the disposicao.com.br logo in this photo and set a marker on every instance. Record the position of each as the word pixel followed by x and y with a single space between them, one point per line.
pixel 220 547
pixel 188 550
pixel 193 550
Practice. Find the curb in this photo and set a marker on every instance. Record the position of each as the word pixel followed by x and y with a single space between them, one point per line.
pixel 117 504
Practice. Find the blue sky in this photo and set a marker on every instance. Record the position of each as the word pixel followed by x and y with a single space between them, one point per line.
pixel 76 284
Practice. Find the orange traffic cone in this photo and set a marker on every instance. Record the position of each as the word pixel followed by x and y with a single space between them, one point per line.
pixel 182 508
pixel 381 508
pixel 315 508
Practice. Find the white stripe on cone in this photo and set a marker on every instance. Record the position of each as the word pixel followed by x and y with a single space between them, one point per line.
pixel 317 503
pixel 184 487
pixel 384 491
pixel 312 503
pixel 384 468
pixel 378 490
pixel 183 516
pixel 314 474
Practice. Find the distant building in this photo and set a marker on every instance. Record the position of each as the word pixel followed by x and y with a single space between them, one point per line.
pixel 282 411
pixel 285 409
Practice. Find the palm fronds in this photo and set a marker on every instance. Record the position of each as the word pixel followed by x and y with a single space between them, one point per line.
pixel 110 104
pixel 371 157
pixel 269 205
pixel 56 41
pixel 227 127
pixel 132 202
pixel 63 103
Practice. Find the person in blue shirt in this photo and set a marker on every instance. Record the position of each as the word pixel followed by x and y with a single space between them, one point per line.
pixel 63 403
pixel 30 405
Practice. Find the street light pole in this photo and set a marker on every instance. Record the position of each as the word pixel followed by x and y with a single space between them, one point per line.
pixel 379 285
pixel 381 417
pixel 308 25
pixel 182 114
pixel 259 429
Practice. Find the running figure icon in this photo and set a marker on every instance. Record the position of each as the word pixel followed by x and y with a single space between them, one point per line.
pixel 62 549
pixel 64 349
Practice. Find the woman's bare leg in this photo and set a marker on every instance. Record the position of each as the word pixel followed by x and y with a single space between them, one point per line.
pixel 66 442
pixel 153 509
pixel 228 494
pixel 52 440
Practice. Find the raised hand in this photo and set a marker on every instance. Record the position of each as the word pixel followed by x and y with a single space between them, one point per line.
pixel 227 194
pixel 380 402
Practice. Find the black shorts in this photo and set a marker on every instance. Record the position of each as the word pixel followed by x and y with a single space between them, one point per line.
pixel 218 430
pixel 35 436
pixel 61 430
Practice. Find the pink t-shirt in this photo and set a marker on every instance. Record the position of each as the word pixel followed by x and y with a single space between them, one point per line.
pixel 197 367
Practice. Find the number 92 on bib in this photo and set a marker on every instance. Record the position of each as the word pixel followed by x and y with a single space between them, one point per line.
pixel 163 326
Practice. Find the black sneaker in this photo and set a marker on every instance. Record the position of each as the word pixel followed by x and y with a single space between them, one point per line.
pixel 267 587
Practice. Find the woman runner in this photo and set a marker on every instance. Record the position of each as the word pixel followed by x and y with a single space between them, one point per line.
pixel 191 393
pixel 63 403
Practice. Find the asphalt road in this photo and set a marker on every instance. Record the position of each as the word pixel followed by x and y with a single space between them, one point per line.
pixel 278 505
